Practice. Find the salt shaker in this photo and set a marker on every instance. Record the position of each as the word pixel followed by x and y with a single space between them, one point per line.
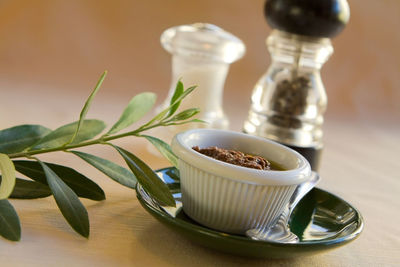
pixel 201 55
pixel 288 102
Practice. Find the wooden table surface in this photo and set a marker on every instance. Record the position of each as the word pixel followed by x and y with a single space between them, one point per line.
pixel 360 164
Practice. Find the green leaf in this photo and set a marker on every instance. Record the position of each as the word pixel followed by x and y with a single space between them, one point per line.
pixel 16 139
pixel 162 115
pixel 62 135
pixel 79 183
pixel 68 202
pixel 158 117
pixel 10 227
pixel 177 93
pixel 186 114
pixel 185 93
pixel 136 109
pixel 8 173
pixel 109 168
pixel 148 178
pixel 163 148
pixel 86 107
pixel 26 189
pixel 184 122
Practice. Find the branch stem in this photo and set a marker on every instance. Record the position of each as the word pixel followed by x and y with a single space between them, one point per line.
pixel 99 140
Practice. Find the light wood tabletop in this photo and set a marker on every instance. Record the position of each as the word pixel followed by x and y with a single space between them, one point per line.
pixel 359 164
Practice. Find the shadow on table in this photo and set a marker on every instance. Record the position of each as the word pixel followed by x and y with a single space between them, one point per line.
pixel 163 243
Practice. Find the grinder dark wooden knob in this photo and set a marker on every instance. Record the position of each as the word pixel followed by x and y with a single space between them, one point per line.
pixel 314 18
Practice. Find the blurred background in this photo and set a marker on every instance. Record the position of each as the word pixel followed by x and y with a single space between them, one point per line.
pixel 52 52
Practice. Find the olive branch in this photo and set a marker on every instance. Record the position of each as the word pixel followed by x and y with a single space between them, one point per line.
pixel 21 145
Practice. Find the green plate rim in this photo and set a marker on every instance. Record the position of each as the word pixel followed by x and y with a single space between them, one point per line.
pixel 314 244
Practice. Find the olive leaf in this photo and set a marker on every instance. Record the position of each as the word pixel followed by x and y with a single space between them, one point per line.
pixel 63 134
pixel 109 168
pixel 86 107
pixel 186 114
pixel 185 122
pixel 18 138
pixel 136 109
pixel 163 113
pixel 26 189
pixel 68 202
pixel 179 89
pixel 8 174
pixel 183 95
pixel 10 227
pixel 79 183
pixel 147 178
pixel 66 184
pixel 163 148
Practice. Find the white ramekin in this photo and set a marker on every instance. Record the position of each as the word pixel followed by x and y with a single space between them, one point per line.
pixel 232 198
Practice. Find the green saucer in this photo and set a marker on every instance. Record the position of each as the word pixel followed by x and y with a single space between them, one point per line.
pixel 321 220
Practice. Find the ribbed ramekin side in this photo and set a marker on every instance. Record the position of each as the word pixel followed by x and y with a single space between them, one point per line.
pixel 229 205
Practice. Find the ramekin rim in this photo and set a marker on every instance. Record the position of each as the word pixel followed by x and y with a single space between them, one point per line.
pixel 240 173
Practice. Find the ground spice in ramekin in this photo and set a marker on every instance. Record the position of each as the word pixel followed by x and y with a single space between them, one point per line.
pixel 235 157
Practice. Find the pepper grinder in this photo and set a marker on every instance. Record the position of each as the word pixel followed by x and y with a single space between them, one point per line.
pixel 288 102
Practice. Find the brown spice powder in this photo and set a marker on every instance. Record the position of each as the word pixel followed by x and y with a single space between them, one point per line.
pixel 235 157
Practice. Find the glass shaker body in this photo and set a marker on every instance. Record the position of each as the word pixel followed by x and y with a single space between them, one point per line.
pixel 210 79
pixel 289 100
pixel 201 55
